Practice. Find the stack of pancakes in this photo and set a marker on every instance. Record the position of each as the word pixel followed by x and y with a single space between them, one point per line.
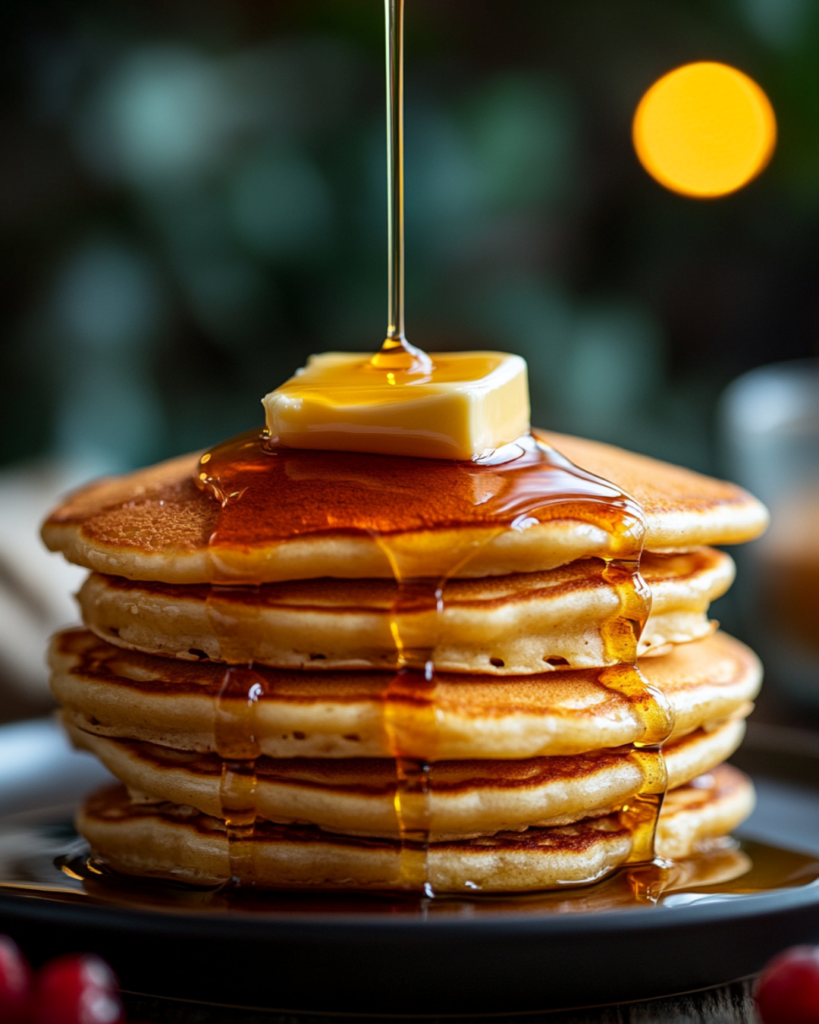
pixel 262 732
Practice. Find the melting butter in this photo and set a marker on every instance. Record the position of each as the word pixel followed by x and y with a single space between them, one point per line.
pixel 464 406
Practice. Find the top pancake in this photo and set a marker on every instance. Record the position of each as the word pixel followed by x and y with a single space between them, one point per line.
pixel 156 524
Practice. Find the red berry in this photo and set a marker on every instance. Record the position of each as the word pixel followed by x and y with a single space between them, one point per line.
pixel 76 989
pixel 15 982
pixel 788 989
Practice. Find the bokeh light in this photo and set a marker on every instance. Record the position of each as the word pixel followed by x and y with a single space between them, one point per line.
pixel 704 130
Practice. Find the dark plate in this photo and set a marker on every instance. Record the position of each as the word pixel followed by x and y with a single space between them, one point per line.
pixel 406 956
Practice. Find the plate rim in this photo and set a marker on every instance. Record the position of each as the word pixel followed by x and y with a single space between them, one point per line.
pixel 657 918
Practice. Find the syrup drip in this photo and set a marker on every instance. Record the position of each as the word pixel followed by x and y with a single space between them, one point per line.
pixel 237 732
pixel 620 637
pixel 270 493
pixel 409 701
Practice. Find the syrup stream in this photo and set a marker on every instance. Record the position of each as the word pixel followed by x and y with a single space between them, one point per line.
pixel 396 352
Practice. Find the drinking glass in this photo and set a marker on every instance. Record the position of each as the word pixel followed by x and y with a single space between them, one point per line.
pixel 770 425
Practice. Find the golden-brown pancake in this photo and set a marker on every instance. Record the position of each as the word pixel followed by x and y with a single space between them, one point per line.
pixel 124 694
pixel 176 842
pixel 156 524
pixel 357 796
pixel 683 509
pixel 499 625
pixel 693 807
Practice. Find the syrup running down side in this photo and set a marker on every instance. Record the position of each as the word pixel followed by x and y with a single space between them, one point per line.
pixel 237 744
pixel 268 492
pixel 237 737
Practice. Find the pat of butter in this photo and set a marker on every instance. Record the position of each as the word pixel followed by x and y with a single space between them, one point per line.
pixel 468 405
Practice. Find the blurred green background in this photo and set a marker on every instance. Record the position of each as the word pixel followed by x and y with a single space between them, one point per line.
pixel 193 198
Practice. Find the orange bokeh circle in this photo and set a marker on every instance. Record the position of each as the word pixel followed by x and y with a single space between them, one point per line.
pixel 704 130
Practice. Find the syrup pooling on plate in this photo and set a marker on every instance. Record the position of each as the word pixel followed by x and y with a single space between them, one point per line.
pixel 723 871
pixel 268 493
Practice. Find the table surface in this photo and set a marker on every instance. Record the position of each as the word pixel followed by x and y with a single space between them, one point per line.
pixel 730 1004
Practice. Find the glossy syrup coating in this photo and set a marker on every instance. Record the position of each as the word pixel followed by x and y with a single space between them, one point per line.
pixel 267 491
pixel 286 493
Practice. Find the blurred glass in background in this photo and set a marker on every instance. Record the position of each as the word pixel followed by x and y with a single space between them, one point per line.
pixel 193 199
pixel 771 429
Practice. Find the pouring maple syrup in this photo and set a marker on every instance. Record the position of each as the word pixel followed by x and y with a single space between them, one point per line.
pixel 396 352
pixel 270 491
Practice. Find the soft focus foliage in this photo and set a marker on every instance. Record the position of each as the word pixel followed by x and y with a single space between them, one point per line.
pixel 193 199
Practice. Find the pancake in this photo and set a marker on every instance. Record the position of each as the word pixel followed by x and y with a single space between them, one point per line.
pixel 357 796
pixel 500 625
pixel 156 524
pixel 176 842
pixel 128 695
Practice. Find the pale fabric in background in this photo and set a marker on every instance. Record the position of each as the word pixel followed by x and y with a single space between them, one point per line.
pixel 36 587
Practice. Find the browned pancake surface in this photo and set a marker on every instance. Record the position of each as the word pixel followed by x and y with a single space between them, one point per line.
pixel 484 593
pixel 176 841
pixel 156 524
pixel 719 660
pixel 124 694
